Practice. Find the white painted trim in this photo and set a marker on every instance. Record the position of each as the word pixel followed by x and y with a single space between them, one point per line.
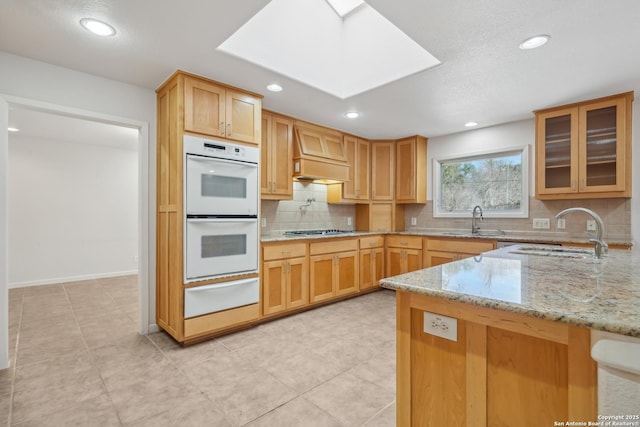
pixel 145 222
pixel 4 233
pixel 154 328
pixel 71 279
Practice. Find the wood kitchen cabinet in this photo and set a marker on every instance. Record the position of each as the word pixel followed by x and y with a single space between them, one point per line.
pixel 371 261
pixel 503 369
pixel 403 254
pixel 356 189
pixel 442 251
pixel 220 111
pixel 411 170
pixel 191 104
pixel 382 170
pixel 285 277
pixel 276 151
pixel 583 150
pixel 333 269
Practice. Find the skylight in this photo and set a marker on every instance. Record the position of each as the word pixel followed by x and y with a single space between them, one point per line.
pixel 344 7
pixel 309 42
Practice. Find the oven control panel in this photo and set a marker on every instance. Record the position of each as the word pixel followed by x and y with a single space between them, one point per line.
pixel 220 149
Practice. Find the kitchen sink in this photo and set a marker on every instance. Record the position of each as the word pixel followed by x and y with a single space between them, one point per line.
pixel 554 251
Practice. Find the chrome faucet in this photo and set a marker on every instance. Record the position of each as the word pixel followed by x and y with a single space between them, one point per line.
pixel 601 246
pixel 474 219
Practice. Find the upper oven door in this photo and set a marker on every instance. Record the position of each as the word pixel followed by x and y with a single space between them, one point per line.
pixel 221 187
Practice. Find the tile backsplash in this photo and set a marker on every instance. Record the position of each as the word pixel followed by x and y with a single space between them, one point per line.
pixel 298 214
pixel 615 213
pixel 281 215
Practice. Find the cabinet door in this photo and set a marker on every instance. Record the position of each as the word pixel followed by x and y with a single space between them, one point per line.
pixel 297 282
pixel 434 258
pixel 349 188
pixel 411 170
pixel 243 117
pixel 282 155
pixel 602 148
pixel 371 267
pixel 395 261
pixel 557 151
pixel 405 169
pixel 382 170
pixel 412 260
pixel 362 171
pixel 346 275
pixel 273 287
pixel 321 283
pixel 367 263
pixel 204 108
pixel 266 148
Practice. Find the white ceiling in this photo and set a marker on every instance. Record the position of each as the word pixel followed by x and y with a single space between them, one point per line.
pixel 483 77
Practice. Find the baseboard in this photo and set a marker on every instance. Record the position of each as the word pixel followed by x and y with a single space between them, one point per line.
pixel 71 279
pixel 153 328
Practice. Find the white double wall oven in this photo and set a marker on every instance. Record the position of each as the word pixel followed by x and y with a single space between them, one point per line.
pixel 221 188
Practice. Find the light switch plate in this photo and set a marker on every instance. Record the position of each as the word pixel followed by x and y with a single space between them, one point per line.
pixel 414 220
pixel 591 225
pixel 440 326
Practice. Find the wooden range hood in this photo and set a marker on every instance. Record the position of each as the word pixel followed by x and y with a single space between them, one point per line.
pixel 318 154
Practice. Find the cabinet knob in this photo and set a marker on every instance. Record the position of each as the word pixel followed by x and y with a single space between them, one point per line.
pixel 228 128
pixel 221 128
pixel 573 185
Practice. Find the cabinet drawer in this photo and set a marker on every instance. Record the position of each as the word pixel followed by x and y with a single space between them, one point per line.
pixel 371 242
pixel 200 300
pixel 460 246
pixel 411 242
pixel 333 246
pixel 289 250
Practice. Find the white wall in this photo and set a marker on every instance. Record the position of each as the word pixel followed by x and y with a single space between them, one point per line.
pixel 73 211
pixel 519 134
pixel 516 134
pixel 30 82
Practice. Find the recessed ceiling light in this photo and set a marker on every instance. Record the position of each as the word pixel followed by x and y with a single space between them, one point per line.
pixel 274 87
pixel 345 7
pixel 471 124
pixel 534 42
pixel 352 115
pixel 12 129
pixel 98 27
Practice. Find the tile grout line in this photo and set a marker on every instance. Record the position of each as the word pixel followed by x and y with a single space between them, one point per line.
pixel 88 350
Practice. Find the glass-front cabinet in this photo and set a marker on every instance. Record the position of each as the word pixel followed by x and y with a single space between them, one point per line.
pixel 584 150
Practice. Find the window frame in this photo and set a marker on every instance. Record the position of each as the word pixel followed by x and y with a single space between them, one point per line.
pixel 523 212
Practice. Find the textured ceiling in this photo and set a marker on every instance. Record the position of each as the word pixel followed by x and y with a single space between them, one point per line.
pixel 483 77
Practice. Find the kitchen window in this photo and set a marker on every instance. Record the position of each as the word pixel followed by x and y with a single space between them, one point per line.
pixel 497 181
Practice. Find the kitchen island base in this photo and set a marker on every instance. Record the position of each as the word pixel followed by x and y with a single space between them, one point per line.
pixel 505 369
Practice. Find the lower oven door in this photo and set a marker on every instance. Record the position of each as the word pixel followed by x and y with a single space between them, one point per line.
pixel 207 299
pixel 220 246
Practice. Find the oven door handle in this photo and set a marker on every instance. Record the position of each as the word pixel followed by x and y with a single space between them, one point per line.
pixel 217 160
pixel 222 220
pixel 221 285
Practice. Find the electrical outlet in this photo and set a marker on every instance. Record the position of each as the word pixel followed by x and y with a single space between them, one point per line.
pixel 591 225
pixel 440 326
pixel 541 223
pixel 135 259
pixel 264 222
pixel 561 224
pixel 349 220
pixel 414 220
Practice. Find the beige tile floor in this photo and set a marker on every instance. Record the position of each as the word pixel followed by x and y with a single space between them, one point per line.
pixel 77 360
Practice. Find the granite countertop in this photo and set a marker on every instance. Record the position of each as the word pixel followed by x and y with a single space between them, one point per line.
pixel 602 294
pixel 537 237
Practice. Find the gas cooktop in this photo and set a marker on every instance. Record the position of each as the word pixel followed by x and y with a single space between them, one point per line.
pixel 327 232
